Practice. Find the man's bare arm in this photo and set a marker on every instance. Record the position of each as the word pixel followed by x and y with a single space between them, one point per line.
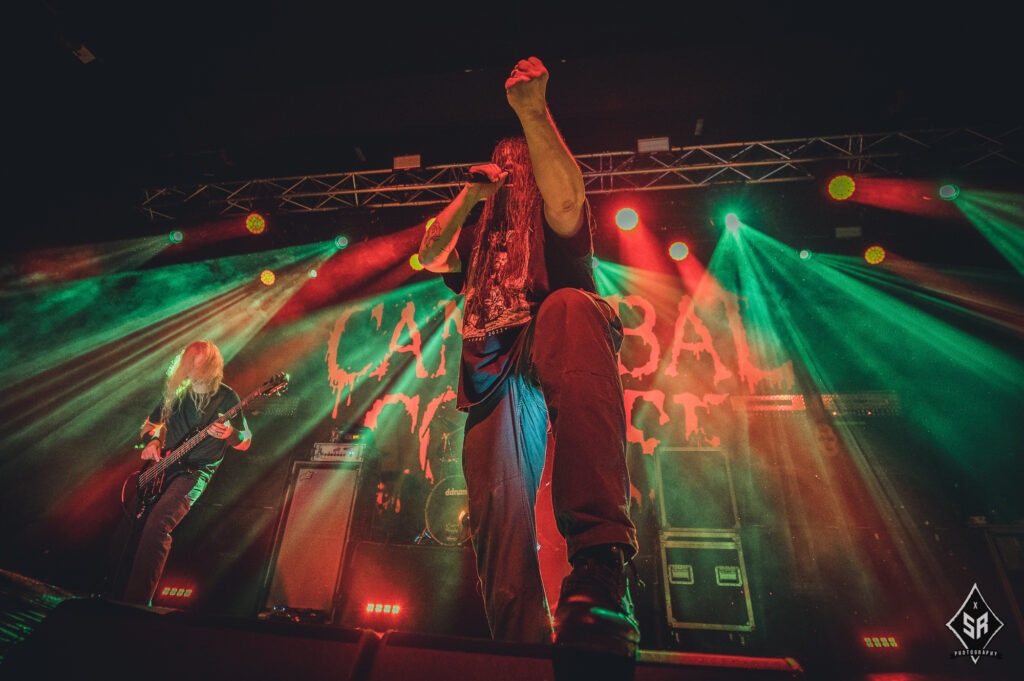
pixel 437 248
pixel 556 171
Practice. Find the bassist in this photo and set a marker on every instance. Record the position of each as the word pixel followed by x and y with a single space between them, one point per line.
pixel 193 406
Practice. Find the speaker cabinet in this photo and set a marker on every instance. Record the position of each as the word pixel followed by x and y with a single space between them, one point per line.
pixel 312 535
pixel 695 490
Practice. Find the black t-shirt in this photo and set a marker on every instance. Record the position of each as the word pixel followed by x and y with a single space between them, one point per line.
pixel 504 279
pixel 185 421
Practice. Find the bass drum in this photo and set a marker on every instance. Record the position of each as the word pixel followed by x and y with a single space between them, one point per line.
pixel 447 512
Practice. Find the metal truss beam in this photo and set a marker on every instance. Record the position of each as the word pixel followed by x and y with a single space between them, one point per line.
pixel 681 168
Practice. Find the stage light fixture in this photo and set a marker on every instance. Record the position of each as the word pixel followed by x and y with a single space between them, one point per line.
pixel 341 241
pixel 881 642
pixel 874 255
pixel 627 219
pixel 805 254
pixel 176 591
pixel 255 223
pixel 312 273
pixel 732 222
pixel 176 236
pixel 647 145
pixel 267 277
pixel 406 162
pixel 841 187
pixel 949 192
pixel 374 608
pixel 678 250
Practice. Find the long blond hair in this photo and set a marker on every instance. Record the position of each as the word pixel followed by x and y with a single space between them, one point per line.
pixel 200 360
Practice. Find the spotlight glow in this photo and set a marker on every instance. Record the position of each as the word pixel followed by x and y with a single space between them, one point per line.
pixel 255 223
pixel 176 236
pixel 627 219
pixel 678 250
pixel 341 241
pixel 949 192
pixel 874 255
pixel 267 277
pixel 841 187
pixel 732 222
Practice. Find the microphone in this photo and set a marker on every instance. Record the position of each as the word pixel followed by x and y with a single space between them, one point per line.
pixel 477 177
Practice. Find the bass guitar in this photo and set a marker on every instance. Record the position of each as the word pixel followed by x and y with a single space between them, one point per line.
pixel 152 476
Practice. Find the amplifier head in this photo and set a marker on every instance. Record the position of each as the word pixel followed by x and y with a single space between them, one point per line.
pixel 338 451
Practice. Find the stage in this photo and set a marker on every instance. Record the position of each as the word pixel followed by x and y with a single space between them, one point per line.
pixel 51 633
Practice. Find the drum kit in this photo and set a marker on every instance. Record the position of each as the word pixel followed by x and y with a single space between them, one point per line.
pixel 446 514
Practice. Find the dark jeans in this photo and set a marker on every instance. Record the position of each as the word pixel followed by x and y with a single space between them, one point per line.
pixel 567 379
pixel 154 541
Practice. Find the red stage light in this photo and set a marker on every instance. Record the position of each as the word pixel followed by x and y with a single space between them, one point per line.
pixel 373 608
pixel 174 595
pixel 627 219
pixel 678 250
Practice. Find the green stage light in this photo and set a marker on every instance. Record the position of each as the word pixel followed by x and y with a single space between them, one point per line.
pixel 949 192
pixel 176 236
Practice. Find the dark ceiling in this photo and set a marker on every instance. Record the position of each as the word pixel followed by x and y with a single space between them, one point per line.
pixel 186 91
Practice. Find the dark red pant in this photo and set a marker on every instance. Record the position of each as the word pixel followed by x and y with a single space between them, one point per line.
pixel 567 378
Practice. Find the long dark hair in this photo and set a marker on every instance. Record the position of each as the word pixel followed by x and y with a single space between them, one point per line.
pixel 518 201
pixel 515 207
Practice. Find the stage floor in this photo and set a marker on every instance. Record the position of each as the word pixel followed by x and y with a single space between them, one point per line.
pixel 47 632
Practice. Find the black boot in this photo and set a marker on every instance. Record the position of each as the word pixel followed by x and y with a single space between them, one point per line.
pixel 596 632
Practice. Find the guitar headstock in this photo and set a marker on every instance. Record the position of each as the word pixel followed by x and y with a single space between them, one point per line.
pixel 276 385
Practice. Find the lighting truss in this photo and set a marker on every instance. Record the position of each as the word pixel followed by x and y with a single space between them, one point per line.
pixel 691 167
